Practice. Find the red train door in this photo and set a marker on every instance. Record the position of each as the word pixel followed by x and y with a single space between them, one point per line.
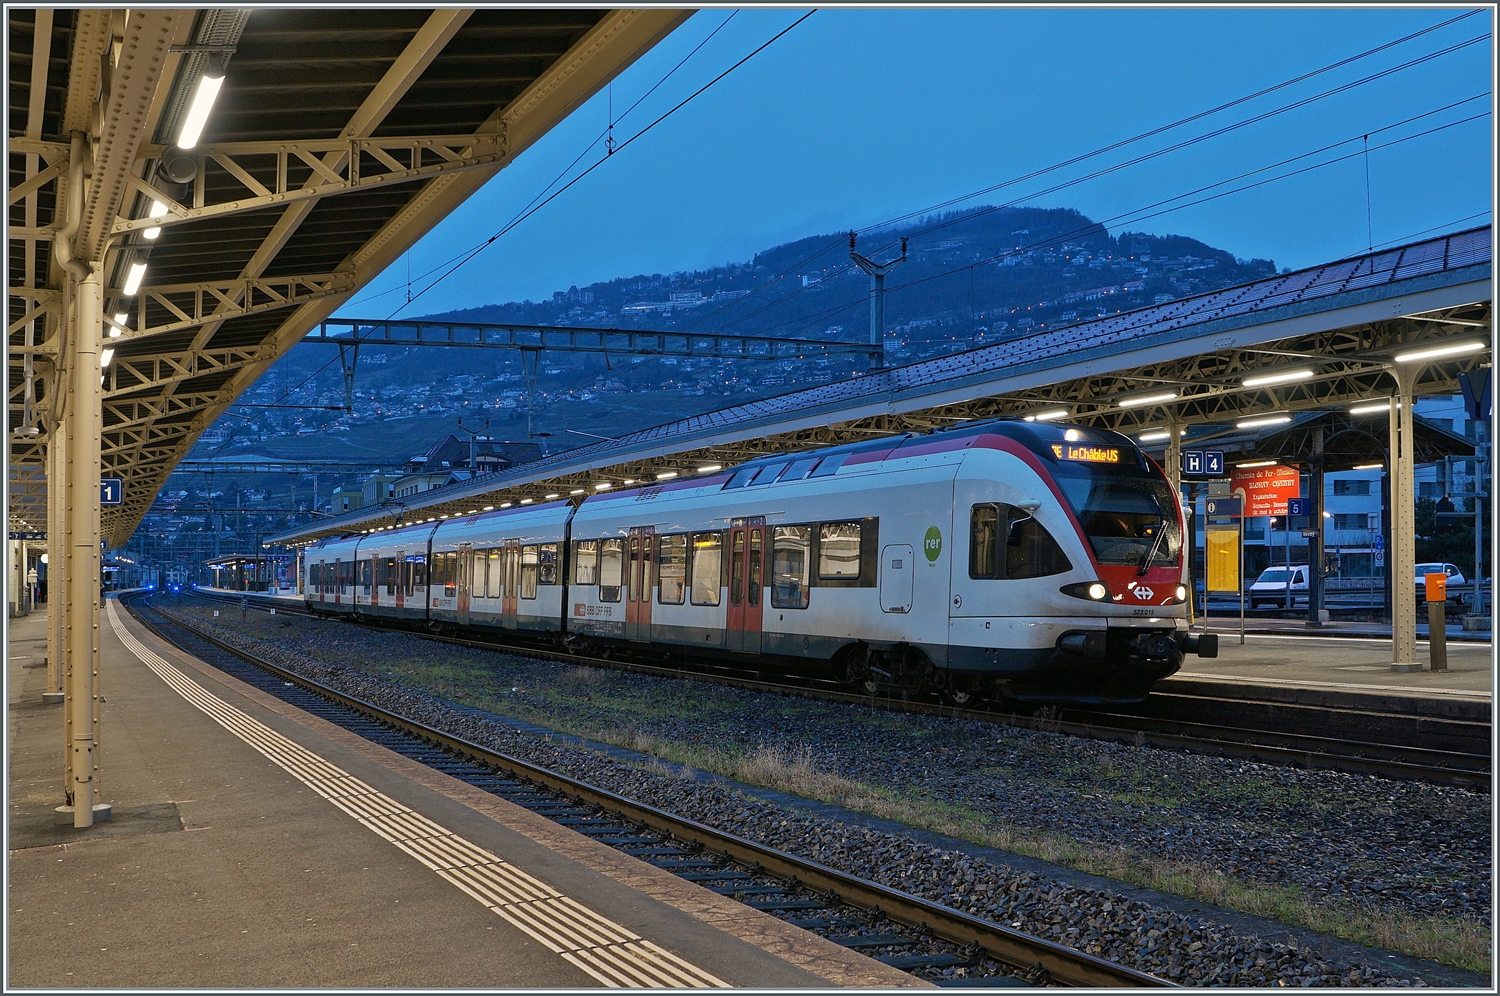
pixel 747 572
pixel 465 577
pixel 510 572
pixel 639 582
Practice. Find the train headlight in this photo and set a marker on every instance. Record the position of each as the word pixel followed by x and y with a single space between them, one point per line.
pixel 1094 591
pixel 1181 592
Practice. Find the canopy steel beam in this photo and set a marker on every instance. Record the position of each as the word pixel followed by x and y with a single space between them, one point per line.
pixel 573 339
pixel 297 171
pixel 196 304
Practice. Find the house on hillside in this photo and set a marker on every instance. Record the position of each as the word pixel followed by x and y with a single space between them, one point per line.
pixel 453 459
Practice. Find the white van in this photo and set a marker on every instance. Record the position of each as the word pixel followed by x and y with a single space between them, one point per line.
pixel 1271 587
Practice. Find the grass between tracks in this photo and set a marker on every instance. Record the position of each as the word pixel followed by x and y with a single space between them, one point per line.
pixel 1451 941
pixel 600 706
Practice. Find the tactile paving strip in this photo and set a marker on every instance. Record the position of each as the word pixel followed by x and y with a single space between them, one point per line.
pixel 596 945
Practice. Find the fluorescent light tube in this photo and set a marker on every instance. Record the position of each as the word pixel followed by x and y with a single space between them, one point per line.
pixel 197 116
pixel 1050 415
pixel 133 278
pixel 1263 420
pixel 1437 352
pixel 1148 399
pixel 1282 377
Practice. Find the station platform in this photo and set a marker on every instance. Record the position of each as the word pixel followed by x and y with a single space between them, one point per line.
pixel 1349 660
pixel 254 845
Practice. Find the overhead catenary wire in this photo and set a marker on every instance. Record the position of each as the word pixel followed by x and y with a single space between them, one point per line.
pixel 1161 129
pixel 470 254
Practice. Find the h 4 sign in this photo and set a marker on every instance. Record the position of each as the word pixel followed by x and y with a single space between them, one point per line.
pixel 1203 463
pixel 111 491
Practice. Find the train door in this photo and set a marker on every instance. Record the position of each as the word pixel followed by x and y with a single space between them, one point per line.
pixel 639 582
pixel 465 579
pixel 747 572
pixel 338 581
pixel 400 578
pixel 896 578
pixel 510 573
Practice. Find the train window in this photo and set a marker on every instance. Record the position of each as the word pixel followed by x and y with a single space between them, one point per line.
pixel 547 564
pixel 740 478
pixel 1030 550
pixel 392 580
pixel 737 567
pixel 708 562
pixel 586 562
pixel 983 559
pixel 768 473
pixel 418 573
pixel 789 549
pixel 838 550
pixel 611 569
pixel 528 571
pixel 800 468
pixel 494 586
pixel 362 574
pixel 830 465
pixel 671 553
pixel 757 559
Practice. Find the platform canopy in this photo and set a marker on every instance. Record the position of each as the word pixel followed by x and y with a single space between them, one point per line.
pixel 338 138
pixel 1196 364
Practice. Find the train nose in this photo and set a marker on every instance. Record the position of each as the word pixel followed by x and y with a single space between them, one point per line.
pixel 1202 644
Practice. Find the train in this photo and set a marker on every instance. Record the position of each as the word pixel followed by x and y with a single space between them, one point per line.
pixel 1006 560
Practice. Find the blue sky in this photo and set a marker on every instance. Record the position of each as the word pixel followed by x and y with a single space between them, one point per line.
pixel 859 116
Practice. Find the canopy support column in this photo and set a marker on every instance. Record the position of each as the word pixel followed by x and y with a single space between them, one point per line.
pixel 1402 561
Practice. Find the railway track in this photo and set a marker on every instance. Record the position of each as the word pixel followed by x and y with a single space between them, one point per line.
pixel 896 928
pixel 1356 734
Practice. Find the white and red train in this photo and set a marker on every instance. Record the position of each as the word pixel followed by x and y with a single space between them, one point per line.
pixel 1033 561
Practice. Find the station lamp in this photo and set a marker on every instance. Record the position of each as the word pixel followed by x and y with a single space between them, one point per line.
pixel 1050 415
pixel 629 480
pixel 1148 399
pixel 121 318
pixel 1371 409
pixel 527 501
pixel 203 103
pixel 666 475
pixel 1279 377
pixel 107 355
pixel 576 491
pixel 158 211
pixel 709 468
pixel 1368 466
pixel 133 279
pixel 1154 436
pixel 489 508
pixel 1261 421
pixel 1255 463
pixel 1438 352
pixel 603 487
pixel 552 497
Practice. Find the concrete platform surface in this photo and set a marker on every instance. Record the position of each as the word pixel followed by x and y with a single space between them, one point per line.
pixel 254 845
pixel 1350 663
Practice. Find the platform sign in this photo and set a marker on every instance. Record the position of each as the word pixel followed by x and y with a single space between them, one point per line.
pixel 1223 559
pixel 1222 508
pixel 111 491
pixel 1299 506
pixel 1267 489
pixel 1203 463
pixel 16 534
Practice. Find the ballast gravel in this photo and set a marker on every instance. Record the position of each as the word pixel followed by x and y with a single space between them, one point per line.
pixel 1326 826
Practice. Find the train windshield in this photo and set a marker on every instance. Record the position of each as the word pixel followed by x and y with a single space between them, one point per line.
pixel 1127 512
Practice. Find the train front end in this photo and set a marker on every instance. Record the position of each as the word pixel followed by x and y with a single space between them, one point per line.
pixel 1079 566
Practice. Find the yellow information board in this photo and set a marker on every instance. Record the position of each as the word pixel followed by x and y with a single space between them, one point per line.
pixel 1223 556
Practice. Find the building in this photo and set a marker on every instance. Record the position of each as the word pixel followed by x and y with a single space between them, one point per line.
pixel 466 458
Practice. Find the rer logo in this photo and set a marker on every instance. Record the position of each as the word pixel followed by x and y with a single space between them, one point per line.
pixel 932 544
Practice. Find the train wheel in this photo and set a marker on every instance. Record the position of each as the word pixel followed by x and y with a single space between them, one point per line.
pixel 857 673
pixel 959 692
